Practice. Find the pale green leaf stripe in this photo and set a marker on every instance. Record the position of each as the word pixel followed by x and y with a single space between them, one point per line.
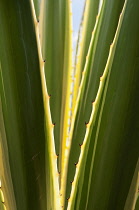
pixel 95 107
pixel 2 199
pixel 133 191
pixel 49 125
pixel 5 174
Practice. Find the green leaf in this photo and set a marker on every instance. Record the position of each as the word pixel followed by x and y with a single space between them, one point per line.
pixel 22 104
pixel 87 116
pixel 115 155
pixel 102 90
pixel 53 52
pixel 52 175
pixel 57 50
pixel 85 33
pixel 102 37
pixel 56 38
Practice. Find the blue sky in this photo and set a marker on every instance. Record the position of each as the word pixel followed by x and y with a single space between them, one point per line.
pixel 77 8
